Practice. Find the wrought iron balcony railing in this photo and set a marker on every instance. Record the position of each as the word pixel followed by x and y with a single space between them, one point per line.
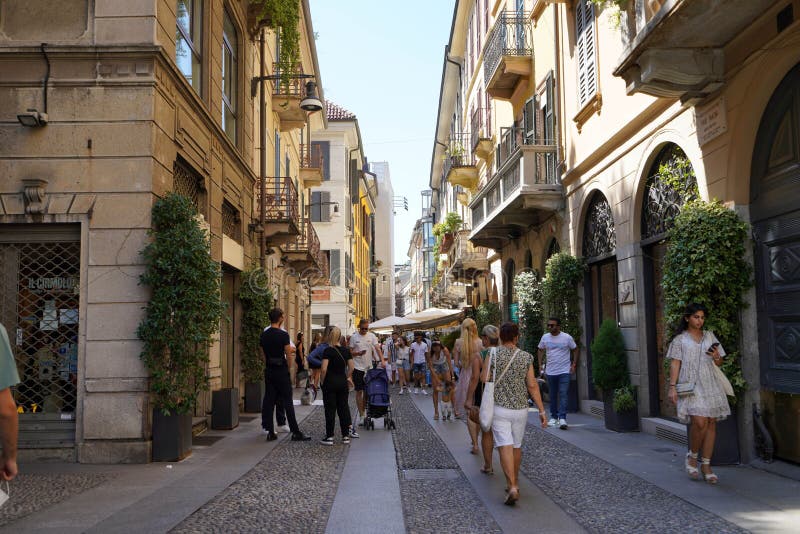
pixel 281 199
pixel 308 242
pixel 510 36
pixel 459 152
pixel 292 84
pixel 481 125
pixel 310 156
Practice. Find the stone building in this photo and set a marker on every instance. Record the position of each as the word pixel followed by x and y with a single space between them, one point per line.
pixel 104 107
pixel 383 264
pixel 586 103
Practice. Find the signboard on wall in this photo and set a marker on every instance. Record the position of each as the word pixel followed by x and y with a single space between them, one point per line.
pixel 711 121
pixel 513 312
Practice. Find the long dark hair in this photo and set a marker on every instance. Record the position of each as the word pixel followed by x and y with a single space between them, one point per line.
pixel 690 310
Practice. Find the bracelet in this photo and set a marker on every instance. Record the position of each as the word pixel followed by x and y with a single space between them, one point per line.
pixel 672 385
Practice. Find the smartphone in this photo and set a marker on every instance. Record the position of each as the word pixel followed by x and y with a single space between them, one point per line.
pixel 712 347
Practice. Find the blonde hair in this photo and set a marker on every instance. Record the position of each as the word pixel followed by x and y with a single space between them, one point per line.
pixel 334 336
pixel 469 334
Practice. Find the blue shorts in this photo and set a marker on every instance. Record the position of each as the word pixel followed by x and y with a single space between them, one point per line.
pixel 419 368
pixel 441 368
pixel 405 365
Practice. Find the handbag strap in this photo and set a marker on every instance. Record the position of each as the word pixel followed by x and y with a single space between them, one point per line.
pixel 340 355
pixel 508 365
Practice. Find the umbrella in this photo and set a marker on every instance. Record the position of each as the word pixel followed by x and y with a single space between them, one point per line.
pixel 433 317
pixel 391 322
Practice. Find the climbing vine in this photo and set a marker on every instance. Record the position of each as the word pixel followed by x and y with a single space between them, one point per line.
pixel 563 274
pixel 257 301
pixel 531 313
pixel 284 17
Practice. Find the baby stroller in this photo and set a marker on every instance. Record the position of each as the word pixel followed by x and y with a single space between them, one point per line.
pixel 378 402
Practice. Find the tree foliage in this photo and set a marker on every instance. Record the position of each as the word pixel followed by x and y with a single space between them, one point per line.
pixel 185 308
pixel 531 314
pixel 257 301
pixel 284 17
pixel 563 275
pixel 487 313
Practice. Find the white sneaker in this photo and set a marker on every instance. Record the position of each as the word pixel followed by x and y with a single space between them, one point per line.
pixel 424 391
pixel 401 391
pixel 416 390
pixel 552 422
pixel 283 429
pixel 562 424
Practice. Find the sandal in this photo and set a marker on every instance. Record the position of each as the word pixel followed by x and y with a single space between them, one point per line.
pixel 692 471
pixel 436 417
pixel 511 497
pixel 487 470
pixel 711 478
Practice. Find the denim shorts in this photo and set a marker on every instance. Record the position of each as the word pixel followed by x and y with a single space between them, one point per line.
pixel 419 368
pixel 441 368
pixel 405 365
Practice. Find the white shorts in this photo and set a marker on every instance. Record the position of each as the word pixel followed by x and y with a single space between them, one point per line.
pixel 508 426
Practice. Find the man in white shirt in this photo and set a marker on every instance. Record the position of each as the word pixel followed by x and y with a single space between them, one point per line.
pixel 558 354
pixel 419 358
pixel 365 348
pixel 391 356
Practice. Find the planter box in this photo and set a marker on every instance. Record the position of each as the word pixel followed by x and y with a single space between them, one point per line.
pixel 225 409
pixel 619 421
pixel 172 436
pixel 253 396
pixel 726 446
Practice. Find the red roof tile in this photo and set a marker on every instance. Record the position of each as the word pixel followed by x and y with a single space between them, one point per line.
pixel 337 113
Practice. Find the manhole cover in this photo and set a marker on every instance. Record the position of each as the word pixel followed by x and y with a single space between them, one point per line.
pixel 205 441
pixel 431 474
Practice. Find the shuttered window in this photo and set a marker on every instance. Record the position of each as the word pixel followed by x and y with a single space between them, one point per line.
pixel 587 53
pixel 325 152
pixel 320 206
pixel 335 267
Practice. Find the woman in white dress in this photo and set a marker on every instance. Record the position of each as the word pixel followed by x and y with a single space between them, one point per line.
pixel 693 353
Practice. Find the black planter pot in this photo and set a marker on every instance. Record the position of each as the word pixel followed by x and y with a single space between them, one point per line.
pixel 253 396
pixel 225 409
pixel 619 421
pixel 172 436
pixel 726 446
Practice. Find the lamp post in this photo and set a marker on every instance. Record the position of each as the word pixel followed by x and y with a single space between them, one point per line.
pixel 310 103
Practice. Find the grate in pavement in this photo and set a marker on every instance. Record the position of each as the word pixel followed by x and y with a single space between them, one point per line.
pixel 205 441
pixel 430 474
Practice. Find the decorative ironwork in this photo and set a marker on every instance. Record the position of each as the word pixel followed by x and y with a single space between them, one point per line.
pixel 510 36
pixel 281 199
pixel 459 152
pixel 291 83
pixel 189 184
pixel 481 122
pixel 231 222
pixel 599 236
pixel 310 156
pixel 672 183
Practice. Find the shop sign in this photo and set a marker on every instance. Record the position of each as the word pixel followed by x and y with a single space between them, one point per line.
pixel 53 283
pixel 513 311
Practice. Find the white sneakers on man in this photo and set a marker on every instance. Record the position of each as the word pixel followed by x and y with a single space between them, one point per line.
pixel 562 424
pixel 283 429
pixel 552 422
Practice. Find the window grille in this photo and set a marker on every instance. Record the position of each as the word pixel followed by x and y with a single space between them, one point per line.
pixel 599 236
pixel 189 184
pixel 231 222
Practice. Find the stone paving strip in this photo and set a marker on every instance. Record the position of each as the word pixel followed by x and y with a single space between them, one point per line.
pixel 290 490
pixel 604 498
pixel 436 495
pixel 33 492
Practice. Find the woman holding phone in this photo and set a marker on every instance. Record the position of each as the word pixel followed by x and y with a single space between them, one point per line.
pixel 696 389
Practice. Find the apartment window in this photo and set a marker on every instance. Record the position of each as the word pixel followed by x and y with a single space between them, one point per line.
pixel 231 222
pixel 230 71
pixel 320 206
pixel 189 41
pixel 587 52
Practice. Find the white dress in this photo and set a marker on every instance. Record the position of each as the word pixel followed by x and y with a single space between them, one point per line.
pixel 708 399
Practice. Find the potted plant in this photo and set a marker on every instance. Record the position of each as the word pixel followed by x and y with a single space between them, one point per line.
pixel 610 374
pixel 257 300
pixel 180 321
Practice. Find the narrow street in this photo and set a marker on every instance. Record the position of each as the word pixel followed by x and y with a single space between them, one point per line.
pixel 418 478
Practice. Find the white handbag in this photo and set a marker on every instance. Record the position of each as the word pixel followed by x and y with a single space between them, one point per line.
pixel 487 399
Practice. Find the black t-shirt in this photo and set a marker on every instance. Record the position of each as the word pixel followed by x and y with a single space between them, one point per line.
pixel 337 366
pixel 273 341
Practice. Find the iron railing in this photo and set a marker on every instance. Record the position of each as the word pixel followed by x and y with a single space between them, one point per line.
pixel 308 242
pixel 459 152
pixel 510 36
pixel 481 125
pixel 281 199
pixel 291 83
pixel 310 156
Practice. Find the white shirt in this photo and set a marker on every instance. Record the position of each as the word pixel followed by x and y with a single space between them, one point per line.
pixel 419 350
pixel 367 343
pixel 557 349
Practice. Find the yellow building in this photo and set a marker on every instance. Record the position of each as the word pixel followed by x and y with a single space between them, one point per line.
pixel 126 102
pixel 363 242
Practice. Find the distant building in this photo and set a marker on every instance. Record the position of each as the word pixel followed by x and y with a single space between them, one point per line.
pixel 383 269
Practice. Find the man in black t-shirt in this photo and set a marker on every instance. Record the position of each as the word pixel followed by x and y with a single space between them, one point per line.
pixel 276 345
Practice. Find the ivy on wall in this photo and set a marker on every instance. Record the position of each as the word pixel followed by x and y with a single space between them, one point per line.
pixel 563 274
pixel 257 301
pixel 284 17
pixel 531 312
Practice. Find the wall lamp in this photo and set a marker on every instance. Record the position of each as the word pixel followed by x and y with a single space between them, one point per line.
pixel 32 118
pixel 335 214
pixel 310 103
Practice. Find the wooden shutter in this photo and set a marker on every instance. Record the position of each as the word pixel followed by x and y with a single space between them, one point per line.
pixel 548 109
pixel 325 212
pixel 335 267
pixel 316 207
pixel 529 121
pixel 587 57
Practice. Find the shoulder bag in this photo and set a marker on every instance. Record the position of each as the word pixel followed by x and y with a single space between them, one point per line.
pixel 487 400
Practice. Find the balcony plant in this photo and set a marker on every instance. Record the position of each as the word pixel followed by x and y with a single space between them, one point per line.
pixel 610 374
pixel 180 321
pixel 257 301
pixel 284 17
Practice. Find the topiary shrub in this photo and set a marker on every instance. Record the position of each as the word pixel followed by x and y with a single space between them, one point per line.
pixel 563 275
pixel 705 263
pixel 257 301
pixel 487 313
pixel 531 315
pixel 185 308
pixel 609 362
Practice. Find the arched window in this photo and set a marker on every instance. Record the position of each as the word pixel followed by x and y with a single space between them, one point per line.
pixel 671 183
pixel 552 249
pixel 599 236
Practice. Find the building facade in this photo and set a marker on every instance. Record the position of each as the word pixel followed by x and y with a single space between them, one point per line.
pixel 126 102
pixel 383 264
pixel 586 103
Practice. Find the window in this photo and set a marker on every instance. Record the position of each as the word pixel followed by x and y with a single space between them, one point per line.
pixel 585 48
pixel 231 222
pixel 320 206
pixel 230 71
pixel 189 41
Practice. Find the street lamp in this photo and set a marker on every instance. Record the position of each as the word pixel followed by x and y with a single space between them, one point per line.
pixel 335 214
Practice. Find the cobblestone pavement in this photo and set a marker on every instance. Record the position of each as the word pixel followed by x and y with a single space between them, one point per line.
pixel 33 492
pixel 436 495
pixel 290 490
pixel 604 498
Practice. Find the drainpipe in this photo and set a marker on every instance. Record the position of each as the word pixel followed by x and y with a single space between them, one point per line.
pixel 262 132
pixel 557 110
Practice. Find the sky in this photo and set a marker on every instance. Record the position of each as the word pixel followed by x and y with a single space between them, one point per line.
pixel 382 61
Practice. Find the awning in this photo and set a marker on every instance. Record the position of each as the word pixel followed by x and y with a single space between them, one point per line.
pixel 434 317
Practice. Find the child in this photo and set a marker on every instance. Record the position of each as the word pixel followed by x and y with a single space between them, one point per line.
pixel 446 405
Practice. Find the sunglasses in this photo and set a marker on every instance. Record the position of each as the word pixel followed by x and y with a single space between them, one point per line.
pixel 552 325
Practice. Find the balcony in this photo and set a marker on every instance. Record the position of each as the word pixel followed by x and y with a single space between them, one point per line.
pixel 305 256
pixel 508 54
pixel 467 259
pixel 286 97
pixel 523 192
pixel 481 133
pixel 459 163
pixel 675 47
pixel 311 162
pixel 282 223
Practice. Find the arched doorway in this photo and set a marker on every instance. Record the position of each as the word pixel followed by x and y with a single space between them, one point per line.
pixel 671 182
pixel 599 248
pixel 510 294
pixel 775 217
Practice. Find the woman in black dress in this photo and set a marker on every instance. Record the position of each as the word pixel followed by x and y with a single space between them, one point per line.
pixel 336 375
pixel 300 361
